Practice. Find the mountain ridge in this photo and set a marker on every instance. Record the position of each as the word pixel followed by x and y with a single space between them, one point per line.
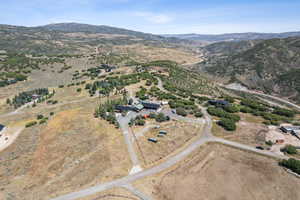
pixel 233 36
pixel 271 65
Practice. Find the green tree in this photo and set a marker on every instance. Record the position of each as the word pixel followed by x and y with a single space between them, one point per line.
pixel 290 149
pixel 227 124
pixel 181 111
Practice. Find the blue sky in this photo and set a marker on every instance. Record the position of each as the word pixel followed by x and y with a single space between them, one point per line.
pixel 160 16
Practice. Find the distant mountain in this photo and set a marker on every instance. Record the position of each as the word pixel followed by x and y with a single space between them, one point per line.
pixel 232 36
pixel 272 66
pixel 66 38
pixel 101 29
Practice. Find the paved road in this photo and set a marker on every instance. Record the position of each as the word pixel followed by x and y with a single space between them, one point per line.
pixel 266 95
pixel 137 192
pixel 249 148
pixel 145 130
pixel 147 172
pixel 206 137
pixel 129 140
pixel 127 180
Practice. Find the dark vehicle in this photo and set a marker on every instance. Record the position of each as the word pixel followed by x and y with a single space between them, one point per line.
pixel 152 140
pixel 1 127
pixel 260 148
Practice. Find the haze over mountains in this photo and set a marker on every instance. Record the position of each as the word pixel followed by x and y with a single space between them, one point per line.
pixel 232 36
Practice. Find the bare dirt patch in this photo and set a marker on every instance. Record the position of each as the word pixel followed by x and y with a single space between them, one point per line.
pixel 217 172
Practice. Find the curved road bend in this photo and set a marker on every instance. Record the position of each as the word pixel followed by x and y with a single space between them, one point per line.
pixel 265 95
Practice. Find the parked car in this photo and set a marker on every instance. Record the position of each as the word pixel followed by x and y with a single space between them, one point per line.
pixel 260 148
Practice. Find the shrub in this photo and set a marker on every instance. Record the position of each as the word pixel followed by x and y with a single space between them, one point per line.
pixel 270 143
pixel 51 113
pixel 219 112
pixel 231 108
pixel 29 124
pixel 43 121
pixel 61 86
pixel 229 99
pixel 181 111
pixel 291 164
pixel 78 90
pixel 289 149
pixel 267 123
pixel 227 124
pixel 245 109
pixel 254 105
pixel 161 117
pixel 284 112
pixel 40 117
pixel 198 114
pixel 140 122
pixel 88 86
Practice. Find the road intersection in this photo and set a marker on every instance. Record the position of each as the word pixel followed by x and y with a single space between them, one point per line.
pixel 138 173
pixel 206 137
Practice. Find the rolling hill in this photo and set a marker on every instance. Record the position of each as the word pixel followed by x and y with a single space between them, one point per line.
pixel 66 38
pixel 272 66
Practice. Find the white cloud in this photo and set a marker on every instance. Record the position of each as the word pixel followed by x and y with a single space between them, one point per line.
pixel 154 18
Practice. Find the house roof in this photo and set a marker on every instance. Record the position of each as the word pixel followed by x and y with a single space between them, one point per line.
pixel 139 106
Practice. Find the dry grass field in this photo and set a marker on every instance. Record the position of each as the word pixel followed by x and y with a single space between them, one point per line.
pixel 112 194
pixel 178 134
pixel 250 130
pixel 217 172
pixel 145 53
pixel 72 150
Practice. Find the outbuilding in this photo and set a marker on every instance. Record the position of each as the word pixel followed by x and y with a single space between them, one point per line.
pixel 1 127
pixel 150 105
pixel 290 129
pixel 123 108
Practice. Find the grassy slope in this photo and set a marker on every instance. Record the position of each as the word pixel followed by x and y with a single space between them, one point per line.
pixel 271 66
